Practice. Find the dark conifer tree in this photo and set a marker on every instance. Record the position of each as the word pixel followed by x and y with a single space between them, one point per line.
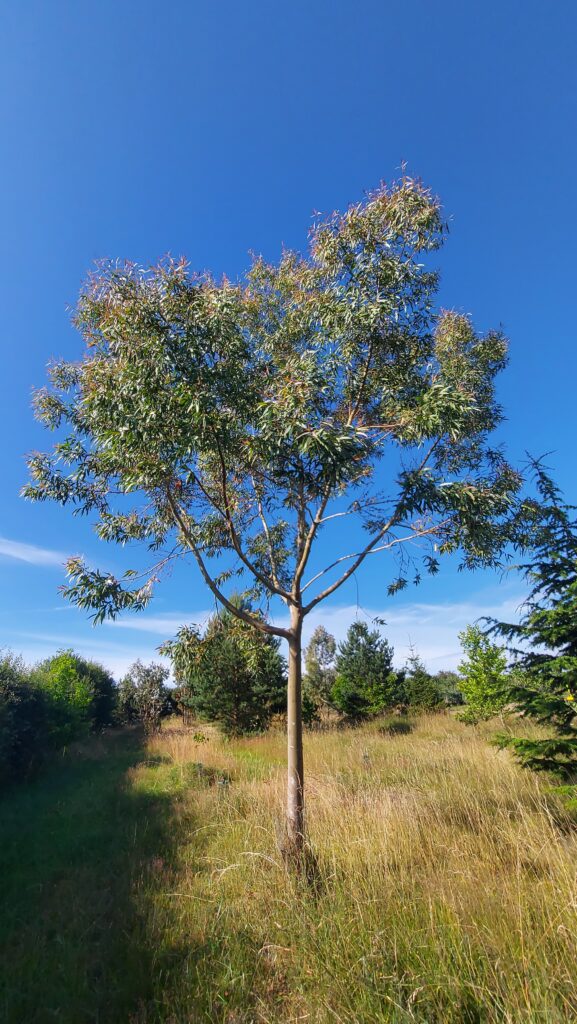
pixel 366 683
pixel 421 688
pixel 544 681
pixel 232 674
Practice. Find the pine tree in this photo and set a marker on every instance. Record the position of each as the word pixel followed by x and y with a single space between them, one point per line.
pixel 544 683
pixel 421 689
pixel 366 683
pixel 232 674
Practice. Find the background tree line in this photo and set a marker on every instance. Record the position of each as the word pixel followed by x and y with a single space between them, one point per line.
pixel 235 675
pixel 65 698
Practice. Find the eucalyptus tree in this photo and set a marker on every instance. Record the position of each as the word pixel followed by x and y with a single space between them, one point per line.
pixel 319 659
pixel 143 695
pixel 236 422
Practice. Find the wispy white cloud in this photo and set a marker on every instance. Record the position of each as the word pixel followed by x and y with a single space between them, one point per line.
pixel 116 657
pixel 30 553
pixel 161 625
pixel 433 629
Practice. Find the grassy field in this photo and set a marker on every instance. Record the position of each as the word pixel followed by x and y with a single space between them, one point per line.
pixel 142 883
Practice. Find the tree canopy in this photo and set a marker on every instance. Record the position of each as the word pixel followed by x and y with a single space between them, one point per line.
pixel 233 414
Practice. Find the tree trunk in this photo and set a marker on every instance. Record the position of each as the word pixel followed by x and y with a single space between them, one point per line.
pixel 295 780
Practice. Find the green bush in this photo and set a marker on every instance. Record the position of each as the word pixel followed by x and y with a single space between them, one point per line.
pixel 310 709
pixel 483 676
pixel 68 695
pixel 24 733
pixel 449 686
pixel 421 689
pixel 143 696
pixel 80 695
pixel 103 693
pixel 45 708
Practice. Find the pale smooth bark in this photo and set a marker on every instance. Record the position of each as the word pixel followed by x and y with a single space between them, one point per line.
pixel 295 780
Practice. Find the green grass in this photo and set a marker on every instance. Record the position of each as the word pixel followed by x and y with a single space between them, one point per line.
pixel 143 885
pixel 73 946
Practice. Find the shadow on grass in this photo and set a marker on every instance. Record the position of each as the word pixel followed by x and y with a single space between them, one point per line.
pixel 73 845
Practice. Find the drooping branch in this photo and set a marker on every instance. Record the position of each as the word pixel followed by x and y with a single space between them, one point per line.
pixel 360 556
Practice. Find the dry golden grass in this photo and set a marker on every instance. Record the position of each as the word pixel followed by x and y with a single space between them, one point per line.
pixel 446 883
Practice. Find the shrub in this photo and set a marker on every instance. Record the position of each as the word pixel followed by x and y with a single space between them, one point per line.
pixel 143 696
pixel 310 706
pixel 23 721
pixel 126 703
pixel 80 694
pixel 103 692
pixel 421 688
pixel 449 686
pixel 68 696
pixel 483 676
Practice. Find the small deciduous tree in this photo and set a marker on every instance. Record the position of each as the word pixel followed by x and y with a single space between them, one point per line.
pixel 543 683
pixel 365 682
pixel 63 679
pixel 24 734
pixel 245 419
pixel 233 674
pixel 319 675
pixel 483 675
pixel 143 696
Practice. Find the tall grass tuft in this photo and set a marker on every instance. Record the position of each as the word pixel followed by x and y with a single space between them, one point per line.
pixel 448 885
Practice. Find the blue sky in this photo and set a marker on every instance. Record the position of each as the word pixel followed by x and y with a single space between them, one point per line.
pixel 131 129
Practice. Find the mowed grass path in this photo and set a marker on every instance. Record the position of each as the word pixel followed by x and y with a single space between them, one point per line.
pixel 142 886
pixel 73 844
